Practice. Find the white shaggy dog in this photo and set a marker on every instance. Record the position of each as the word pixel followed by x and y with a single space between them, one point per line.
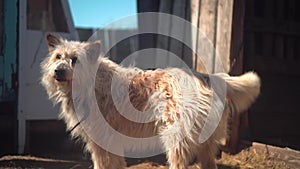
pixel 174 97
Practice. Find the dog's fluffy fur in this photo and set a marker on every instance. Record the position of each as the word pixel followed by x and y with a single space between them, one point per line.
pixel 175 97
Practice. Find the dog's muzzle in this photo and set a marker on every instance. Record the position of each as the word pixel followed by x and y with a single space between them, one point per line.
pixel 60 73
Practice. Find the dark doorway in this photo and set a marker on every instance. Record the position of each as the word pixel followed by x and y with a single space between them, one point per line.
pixel 272 48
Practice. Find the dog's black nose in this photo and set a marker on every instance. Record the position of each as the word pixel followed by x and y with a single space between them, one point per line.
pixel 60 74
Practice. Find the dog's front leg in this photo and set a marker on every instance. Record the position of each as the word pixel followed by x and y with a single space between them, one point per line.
pixel 103 159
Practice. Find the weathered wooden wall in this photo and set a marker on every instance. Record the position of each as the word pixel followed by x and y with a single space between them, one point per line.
pixel 214 20
pixel 212 17
pixel 221 21
pixel 178 8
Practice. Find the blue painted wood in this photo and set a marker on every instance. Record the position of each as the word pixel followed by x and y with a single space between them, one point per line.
pixel 9 59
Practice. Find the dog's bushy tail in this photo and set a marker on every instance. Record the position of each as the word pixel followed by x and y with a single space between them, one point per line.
pixel 242 90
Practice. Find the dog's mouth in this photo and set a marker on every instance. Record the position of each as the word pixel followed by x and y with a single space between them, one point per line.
pixel 60 79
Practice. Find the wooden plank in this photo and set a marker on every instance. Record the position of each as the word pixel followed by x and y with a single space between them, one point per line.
pixel 267 37
pixel 276 65
pixel 249 13
pixel 291 12
pixel 280 7
pixel 237 39
pixel 223 39
pixel 267 48
pixel 290 45
pixel 297 50
pixel 275 26
pixel 163 42
pixel 148 6
pixel 268 9
pixel 112 40
pixel 176 46
pixel 291 16
pixel 249 36
pixel 208 25
pixel 146 40
pixel 208 16
pixel 291 157
pixel 195 15
pixel 187 55
pixel 279 39
pixel 279 47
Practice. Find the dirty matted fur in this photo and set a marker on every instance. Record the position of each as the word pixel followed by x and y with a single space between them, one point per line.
pixel 174 96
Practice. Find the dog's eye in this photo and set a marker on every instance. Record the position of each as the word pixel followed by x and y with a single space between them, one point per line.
pixel 74 60
pixel 58 56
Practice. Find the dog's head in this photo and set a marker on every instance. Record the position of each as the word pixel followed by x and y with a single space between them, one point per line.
pixel 58 66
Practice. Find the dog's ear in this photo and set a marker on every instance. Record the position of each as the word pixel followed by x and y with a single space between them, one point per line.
pixel 52 41
pixel 93 51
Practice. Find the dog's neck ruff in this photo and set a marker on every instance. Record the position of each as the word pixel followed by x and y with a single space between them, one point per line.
pixel 74 127
pixel 77 124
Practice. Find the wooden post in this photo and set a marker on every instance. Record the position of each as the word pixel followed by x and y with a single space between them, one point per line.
pixel 236 58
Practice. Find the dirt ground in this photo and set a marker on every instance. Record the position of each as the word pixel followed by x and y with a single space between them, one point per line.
pixel 259 157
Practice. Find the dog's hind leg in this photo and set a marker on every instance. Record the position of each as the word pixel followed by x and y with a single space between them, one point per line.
pixel 178 155
pixel 178 158
pixel 103 159
pixel 206 153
